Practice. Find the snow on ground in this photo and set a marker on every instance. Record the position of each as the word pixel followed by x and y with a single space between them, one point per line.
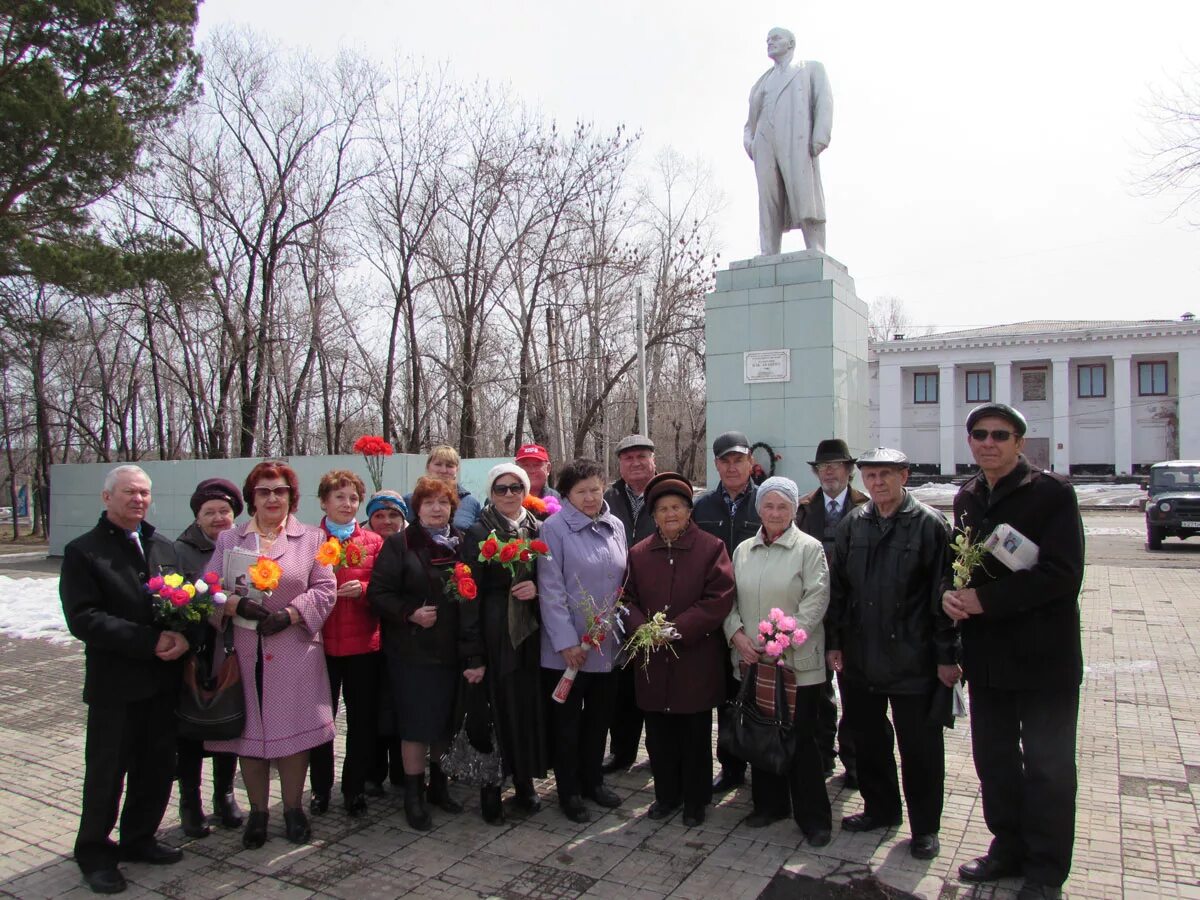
pixel 30 608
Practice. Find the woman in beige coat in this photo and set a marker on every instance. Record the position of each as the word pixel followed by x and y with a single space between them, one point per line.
pixel 782 567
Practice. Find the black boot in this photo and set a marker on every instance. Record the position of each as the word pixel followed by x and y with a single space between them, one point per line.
pixel 191 814
pixel 225 806
pixel 295 825
pixel 489 802
pixel 255 834
pixel 414 803
pixel 527 796
pixel 439 790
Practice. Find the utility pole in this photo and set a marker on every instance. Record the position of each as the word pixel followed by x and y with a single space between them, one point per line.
pixel 643 405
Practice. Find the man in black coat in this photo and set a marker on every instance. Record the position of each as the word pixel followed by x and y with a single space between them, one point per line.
pixel 728 512
pixel 626 500
pixel 1022 657
pixel 132 676
pixel 891 644
pixel 819 515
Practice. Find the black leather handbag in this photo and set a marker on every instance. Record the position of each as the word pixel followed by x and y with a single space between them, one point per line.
pixel 212 706
pixel 766 742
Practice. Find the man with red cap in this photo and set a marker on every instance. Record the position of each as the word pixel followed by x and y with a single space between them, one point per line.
pixel 535 460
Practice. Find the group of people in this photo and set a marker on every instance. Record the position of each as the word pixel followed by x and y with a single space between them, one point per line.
pixel 532 656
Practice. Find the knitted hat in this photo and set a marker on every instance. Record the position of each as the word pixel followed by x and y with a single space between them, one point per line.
pixel 506 469
pixel 217 489
pixel 780 485
pixel 386 500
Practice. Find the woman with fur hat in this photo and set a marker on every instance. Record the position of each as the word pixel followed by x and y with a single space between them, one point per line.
pixel 500 632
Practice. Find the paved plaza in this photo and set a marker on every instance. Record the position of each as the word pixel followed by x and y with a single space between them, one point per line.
pixel 1139 791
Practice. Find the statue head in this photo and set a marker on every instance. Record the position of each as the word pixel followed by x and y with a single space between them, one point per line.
pixel 780 43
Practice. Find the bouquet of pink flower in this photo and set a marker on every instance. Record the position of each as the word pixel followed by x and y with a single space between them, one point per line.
pixel 779 632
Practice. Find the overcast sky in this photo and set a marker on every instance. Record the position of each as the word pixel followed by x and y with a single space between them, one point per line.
pixel 984 160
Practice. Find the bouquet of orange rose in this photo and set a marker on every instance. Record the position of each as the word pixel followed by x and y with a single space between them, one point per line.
pixel 340 554
pixel 461 585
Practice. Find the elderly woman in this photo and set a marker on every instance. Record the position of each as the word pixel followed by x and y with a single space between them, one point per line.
pixel 215 504
pixel 584 575
pixel 783 567
pixel 420 640
pixel 684 573
pixel 443 464
pixel 277 636
pixel 499 633
pixel 387 513
pixel 351 637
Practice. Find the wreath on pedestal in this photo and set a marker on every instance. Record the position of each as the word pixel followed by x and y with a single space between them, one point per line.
pixel 758 473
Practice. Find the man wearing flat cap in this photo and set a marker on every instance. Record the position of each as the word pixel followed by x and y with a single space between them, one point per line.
pixel 1022 656
pixel 626 499
pixel 891 645
pixel 729 512
pixel 819 515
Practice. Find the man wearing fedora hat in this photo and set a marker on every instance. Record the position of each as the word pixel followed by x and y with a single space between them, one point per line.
pixel 818 514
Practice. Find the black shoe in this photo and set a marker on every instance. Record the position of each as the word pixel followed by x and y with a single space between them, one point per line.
pixel 761 818
pixel 414 803
pixel 612 764
pixel 603 795
pixel 155 853
pixel 191 815
pixel 439 791
pixel 924 846
pixel 255 834
pixel 726 782
pixel 356 806
pixel 661 810
pixel 375 789
pixel 572 807
pixel 850 781
pixel 295 826
pixel 489 804
pixel 527 798
pixel 988 868
pixel 693 817
pixel 819 838
pixel 863 822
pixel 226 809
pixel 318 805
pixel 105 881
pixel 1035 890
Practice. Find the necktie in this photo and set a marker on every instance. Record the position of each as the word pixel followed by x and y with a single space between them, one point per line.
pixel 833 509
pixel 137 542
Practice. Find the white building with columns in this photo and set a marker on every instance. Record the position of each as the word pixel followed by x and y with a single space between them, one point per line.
pixel 1107 397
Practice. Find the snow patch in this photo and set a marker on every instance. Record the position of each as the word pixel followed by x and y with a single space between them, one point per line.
pixel 30 608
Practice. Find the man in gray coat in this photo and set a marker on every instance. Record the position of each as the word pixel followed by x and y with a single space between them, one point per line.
pixel 790 123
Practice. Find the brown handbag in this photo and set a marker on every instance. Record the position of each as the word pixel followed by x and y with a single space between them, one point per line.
pixel 212 706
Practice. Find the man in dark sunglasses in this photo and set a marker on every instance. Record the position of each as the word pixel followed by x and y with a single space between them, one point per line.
pixel 1021 657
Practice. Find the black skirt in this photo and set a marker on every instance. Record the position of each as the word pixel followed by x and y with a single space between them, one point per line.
pixel 424 698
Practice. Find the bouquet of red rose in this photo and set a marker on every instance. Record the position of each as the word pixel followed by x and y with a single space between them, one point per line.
pixel 374 450
pixel 179 603
pixel 461 585
pixel 517 555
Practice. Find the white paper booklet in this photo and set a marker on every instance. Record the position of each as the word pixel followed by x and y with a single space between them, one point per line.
pixel 1012 548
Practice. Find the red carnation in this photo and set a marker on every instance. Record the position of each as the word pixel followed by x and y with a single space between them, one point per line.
pixel 468 588
pixel 509 551
pixel 539 546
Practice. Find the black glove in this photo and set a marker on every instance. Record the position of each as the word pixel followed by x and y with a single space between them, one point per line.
pixel 275 623
pixel 251 609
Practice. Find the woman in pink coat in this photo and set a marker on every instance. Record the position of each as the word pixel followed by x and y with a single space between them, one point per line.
pixel 278 641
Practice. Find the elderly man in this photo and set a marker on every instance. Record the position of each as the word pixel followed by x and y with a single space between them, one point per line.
pixel 535 460
pixel 626 500
pixel 891 644
pixel 729 513
pixel 790 122
pixel 132 674
pixel 819 514
pixel 1022 657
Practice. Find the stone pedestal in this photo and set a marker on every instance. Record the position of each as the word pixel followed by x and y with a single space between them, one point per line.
pixel 803 303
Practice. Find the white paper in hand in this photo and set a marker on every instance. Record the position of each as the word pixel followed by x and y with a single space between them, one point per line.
pixel 1012 548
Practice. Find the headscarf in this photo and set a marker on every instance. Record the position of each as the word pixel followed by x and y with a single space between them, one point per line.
pixel 780 485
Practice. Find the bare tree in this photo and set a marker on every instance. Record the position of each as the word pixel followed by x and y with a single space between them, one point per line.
pixel 1173 162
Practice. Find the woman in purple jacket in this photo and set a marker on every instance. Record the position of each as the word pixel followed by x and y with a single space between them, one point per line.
pixel 584 572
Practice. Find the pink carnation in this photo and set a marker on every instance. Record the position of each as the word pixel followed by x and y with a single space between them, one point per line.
pixel 765 627
pixel 552 505
pixel 775 614
pixel 799 636
pixel 787 623
pixel 783 640
pixel 155 584
pixel 774 648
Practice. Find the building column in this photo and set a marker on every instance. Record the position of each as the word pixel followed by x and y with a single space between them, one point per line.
pixel 1002 389
pixel 1122 398
pixel 891 405
pixel 1060 443
pixel 948 430
pixel 1188 403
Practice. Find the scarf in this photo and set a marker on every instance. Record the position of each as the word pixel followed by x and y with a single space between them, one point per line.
pixel 341 532
pixel 522 617
pixel 441 537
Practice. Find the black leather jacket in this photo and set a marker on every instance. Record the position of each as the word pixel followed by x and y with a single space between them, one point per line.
pixel 711 514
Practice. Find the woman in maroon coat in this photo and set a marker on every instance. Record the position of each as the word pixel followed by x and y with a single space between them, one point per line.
pixel 352 654
pixel 686 574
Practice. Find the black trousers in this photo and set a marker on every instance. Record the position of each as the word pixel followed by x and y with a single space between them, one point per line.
pixel 730 764
pixel 680 748
pixel 578 728
pixel 922 755
pixel 802 790
pixel 130 745
pixel 357 678
pixel 627 718
pixel 1024 748
pixel 191 766
pixel 830 727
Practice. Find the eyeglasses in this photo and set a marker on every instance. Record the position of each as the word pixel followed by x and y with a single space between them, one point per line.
pixel 263 493
pixel 999 435
pixel 501 489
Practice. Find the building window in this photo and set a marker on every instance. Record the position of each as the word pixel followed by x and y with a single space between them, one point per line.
pixel 1033 384
pixel 1152 379
pixel 979 387
pixel 925 387
pixel 1091 381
